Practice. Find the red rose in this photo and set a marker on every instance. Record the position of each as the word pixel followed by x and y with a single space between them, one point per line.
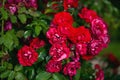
pixel 65 29
pixel 105 40
pixel 80 34
pixel 62 17
pixel 53 66
pixel 98 27
pixel 59 52
pixel 71 68
pixel 27 56
pixel 95 46
pixel 88 15
pixel 70 3
pixel 54 36
pixel 99 31
pixel 36 43
pixel 81 48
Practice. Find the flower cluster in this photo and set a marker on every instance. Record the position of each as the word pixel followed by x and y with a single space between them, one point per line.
pixel 27 55
pixel 98 27
pixel 70 43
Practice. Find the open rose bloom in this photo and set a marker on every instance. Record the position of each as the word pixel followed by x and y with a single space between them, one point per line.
pixel 50 39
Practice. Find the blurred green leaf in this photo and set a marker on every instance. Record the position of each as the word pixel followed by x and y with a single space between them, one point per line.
pixel 77 76
pixel 33 13
pixel 21 10
pixel 4 13
pixel 58 76
pixel 42 54
pixel 49 10
pixel 10 40
pixel 9 66
pixel 19 76
pixel 27 33
pixel 31 74
pixel 37 30
pixel 22 18
pixel 5 74
pixel 13 19
pixel 18 68
pixel 11 75
pixel 1 54
pixel 20 33
pixel 43 76
pixel 2 68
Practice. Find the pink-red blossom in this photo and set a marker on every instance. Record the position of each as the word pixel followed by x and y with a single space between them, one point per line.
pixel 65 29
pixel 54 36
pixel 81 48
pixel 71 68
pixel 80 34
pixel 62 17
pixel 59 52
pixel 53 66
pixel 70 3
pixel 94 47
pixel 99 73
pixel 36 43
pixel 8 25
pixel 88 15
pixel 27 56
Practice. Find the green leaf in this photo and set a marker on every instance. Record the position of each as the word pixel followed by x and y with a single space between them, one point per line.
pixel 27 34
pixel 20 76
pixel 31 74
pixel 43 76
pixel 13 19
pixel 2 68
pixel 11 75
pixel 4 13
pixel 42 54
pixel 5 74
pixel 77 76
pixel 1 54
pixel 10 40
pixel 9 66
pixel 58 76
pixel 18 68
pixel 34 13
pixel 22 18
pixel 49 10
pixel 21 10
pixel 44 25
pixel 37 30
pixel 20 33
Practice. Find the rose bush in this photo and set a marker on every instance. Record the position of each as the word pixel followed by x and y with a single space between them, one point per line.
pixel 46 40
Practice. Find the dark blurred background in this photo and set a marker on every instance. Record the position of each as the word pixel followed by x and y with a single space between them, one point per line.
pixel 109 10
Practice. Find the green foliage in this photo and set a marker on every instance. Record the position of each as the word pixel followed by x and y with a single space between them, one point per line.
pixel 4 13
pixel 57 76
pixel 43 76
pixel 22 18
pixel 10 40
pixel 13 19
